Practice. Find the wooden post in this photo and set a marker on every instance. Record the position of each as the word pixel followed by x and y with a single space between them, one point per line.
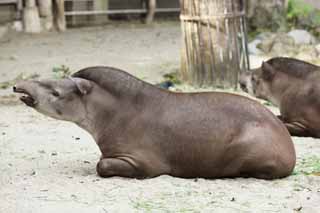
pixel 60 16
pixel 31 19
pixel 151 8
pixel 101 5
pixel 45 10
pixel 214 48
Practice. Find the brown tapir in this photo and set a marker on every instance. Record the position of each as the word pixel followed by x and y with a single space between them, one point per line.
pixel 144 131
pixel 293 86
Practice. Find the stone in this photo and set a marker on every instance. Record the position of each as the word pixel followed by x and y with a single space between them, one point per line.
pixel 307 53
pixel 253 47
pixel 278 44
pixel 283 46
pixel 264 35
pixel 302 37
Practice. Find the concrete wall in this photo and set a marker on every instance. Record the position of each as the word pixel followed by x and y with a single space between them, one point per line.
pixel 123 4
pixel 7 13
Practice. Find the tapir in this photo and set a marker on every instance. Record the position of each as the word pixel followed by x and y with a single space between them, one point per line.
pixel 292 85
pixel 144 131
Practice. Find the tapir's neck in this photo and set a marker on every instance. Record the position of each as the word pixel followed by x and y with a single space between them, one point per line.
pixel 103 109
pixel 280 86
pixel 97 106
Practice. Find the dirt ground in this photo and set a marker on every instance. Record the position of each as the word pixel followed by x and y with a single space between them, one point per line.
pixel 49 166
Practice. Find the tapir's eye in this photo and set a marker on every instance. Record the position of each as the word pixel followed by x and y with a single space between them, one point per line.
pixel 55 93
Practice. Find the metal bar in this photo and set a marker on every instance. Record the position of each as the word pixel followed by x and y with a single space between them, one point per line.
pixel 8 1
pixel 127 11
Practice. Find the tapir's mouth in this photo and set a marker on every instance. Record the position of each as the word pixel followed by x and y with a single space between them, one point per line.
pixel 26 97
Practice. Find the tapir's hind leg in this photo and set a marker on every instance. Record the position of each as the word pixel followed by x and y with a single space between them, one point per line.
pixel 109 167
pixel 296 128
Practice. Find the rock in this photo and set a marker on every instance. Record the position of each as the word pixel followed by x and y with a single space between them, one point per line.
pixel 302 37
pixel 284 49
pixel 278 44
pixel 266 44
pixel 264 35
pixel 309 50
pixel 253 47
pixel 303 57
pixel 307 53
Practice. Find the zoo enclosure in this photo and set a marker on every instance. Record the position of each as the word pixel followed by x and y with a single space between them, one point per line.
pixel 119 7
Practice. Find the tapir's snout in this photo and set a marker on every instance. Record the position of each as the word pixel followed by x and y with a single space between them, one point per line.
pixel 27 97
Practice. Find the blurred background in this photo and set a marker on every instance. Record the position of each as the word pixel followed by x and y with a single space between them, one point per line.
pixel 46 38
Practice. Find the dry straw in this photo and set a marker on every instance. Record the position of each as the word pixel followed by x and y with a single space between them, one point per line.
pixel 214 48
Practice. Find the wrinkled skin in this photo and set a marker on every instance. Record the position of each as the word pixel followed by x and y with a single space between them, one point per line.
pixel 144 131
pixel 293 86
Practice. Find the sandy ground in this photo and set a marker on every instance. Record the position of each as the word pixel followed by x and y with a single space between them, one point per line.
pixel 49 166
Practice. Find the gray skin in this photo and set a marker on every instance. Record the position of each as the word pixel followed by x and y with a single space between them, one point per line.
pixel 293 86
pixel 144 131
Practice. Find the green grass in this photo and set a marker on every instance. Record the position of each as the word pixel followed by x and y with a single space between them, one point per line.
pixel 173 77
pixel 308 166
pixel 61 71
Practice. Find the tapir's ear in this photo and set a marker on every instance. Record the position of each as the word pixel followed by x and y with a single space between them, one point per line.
pixel 84 86
pixel 268 71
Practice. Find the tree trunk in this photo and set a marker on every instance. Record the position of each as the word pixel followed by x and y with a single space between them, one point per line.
pixel 214 42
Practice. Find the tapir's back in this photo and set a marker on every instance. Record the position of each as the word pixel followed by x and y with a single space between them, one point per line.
pixel 212 134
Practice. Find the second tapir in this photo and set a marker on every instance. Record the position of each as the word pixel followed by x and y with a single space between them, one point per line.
pixel 144 131
pixel 292 85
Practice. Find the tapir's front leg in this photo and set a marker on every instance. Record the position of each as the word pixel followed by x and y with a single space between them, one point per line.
pixel 109 167
pixel 297 129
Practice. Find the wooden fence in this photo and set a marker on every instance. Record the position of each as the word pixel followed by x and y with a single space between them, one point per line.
pixel 214 49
